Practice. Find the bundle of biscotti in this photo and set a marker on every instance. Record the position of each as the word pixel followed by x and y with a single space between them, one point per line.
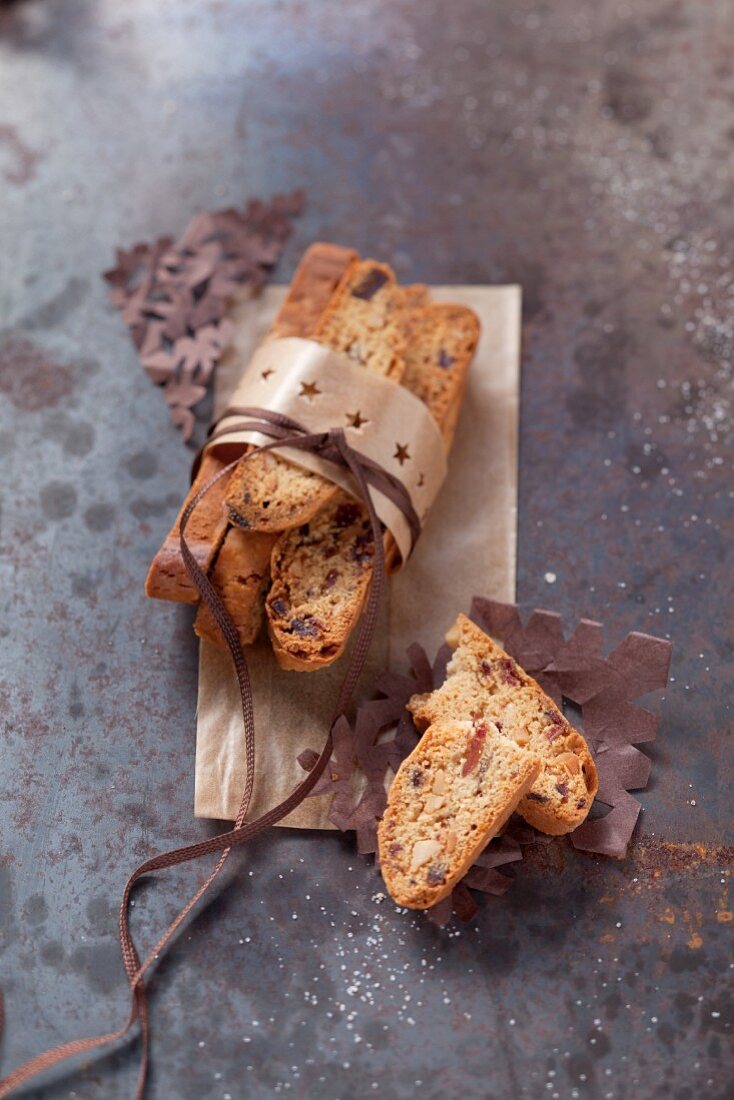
pixel 493 743
pixel 316 278
pixel 272 528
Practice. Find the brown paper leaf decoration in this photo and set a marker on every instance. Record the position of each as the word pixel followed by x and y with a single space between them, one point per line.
pixel 173 296
pixel 603 688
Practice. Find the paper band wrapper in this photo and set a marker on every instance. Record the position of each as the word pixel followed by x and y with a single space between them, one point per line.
pixel 322 389
pixel 467 546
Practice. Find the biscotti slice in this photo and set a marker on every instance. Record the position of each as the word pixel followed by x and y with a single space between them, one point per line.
pixel 322 267
pixel 415 296
pixel 448 799
pixel 241 575
pixel 167 577
pixel 321 572
pixel 442 341
pixel 365 320
pixel 484 684
pixel 318 274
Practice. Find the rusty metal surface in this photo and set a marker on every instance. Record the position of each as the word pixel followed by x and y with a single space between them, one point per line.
pixel 582 149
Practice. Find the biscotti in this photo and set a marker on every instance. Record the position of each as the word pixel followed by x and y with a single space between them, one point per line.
pixel 321 269
pixel 241 575
pixel 484 684
pixel 442 339
pixel 441 344
pixel 449 798
pixel 365 319
pixel 167 577
pixel 321 572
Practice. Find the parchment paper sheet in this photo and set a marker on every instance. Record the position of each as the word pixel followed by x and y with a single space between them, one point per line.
pixel 467 546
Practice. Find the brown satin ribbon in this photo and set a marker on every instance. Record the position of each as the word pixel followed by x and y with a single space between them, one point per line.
pixel 365 473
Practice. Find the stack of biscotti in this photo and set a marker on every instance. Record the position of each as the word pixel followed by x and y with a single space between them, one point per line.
pixel 493 743
pixel 322 570
pixel 317 277
pixel 268 520
pixel 366 318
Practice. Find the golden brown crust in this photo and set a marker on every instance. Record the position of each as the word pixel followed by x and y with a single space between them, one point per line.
pixel 317 276
pixel 483 682
pixel 241 574
pixel 167 577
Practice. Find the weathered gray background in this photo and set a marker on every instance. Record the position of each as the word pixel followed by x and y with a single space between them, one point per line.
pixel 581 148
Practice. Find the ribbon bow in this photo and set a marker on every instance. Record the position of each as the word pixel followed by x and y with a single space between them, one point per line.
pixel 331 445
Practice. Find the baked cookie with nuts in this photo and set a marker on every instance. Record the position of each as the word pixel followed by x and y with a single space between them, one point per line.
pixel 449 798
pixel 484 684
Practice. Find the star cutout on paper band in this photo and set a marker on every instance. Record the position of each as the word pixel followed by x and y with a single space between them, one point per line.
pixel 265 374
pixel 356 420
pixel 309 390
pixel 401 453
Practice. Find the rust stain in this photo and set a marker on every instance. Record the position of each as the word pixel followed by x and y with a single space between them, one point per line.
pixel 691 923
pixel 668 917
pixel 668 857
pixel 655 858
pixel 29 378
pixel 23 159
pixel 724 916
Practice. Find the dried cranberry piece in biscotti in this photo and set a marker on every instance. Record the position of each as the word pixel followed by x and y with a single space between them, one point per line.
pixel 364 547
pixel 370 284
pixel 306 628
pixel 346 514
pixel 476 744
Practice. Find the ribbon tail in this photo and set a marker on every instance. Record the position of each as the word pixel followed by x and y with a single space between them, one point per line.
pixel 242 831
